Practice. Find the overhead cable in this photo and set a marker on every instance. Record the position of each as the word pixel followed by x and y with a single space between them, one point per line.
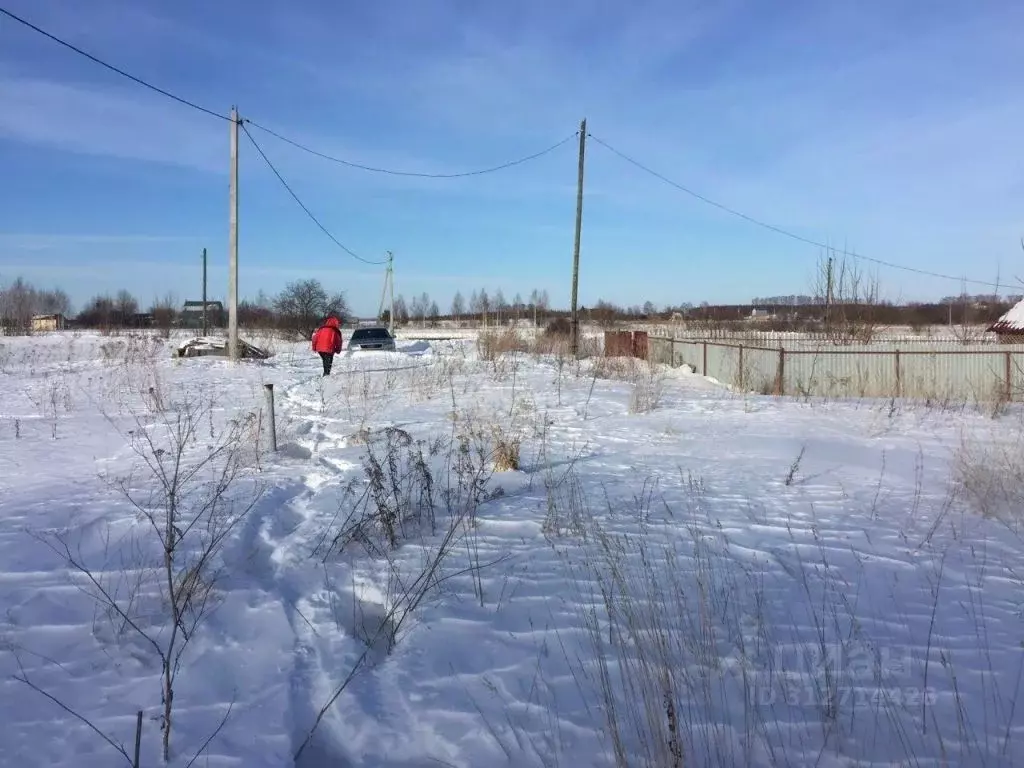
pixel 302 205
pixel 111 67
pixel 780 230
pixel 415 174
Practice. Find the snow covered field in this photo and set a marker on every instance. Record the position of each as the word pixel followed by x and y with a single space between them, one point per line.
pixel 453 561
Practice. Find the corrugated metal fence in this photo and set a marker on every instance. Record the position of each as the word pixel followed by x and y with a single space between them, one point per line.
pixel 930 372
pixel 626 344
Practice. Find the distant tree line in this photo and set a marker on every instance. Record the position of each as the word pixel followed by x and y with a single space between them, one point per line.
pixel 303 304
pixel 480 308
pixel 21 301
pixel 298 309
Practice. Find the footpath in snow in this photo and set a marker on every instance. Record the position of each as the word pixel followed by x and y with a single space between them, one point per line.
pixel 524 561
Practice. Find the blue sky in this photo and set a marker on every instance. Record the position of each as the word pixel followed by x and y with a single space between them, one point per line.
pixel 892 128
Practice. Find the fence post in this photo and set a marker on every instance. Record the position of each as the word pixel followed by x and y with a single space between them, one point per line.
pixel 1009 376
pixel 739 370
pixel 269 390
pixel 138 738
pixel 780 385
pixel 899 381
pixel 704 363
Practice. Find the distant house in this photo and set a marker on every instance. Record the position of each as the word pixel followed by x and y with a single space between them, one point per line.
pixel 192 314
pixel 1010 327
pixel 47 323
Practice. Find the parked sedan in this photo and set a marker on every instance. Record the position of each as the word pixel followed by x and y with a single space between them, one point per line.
pixel 367 339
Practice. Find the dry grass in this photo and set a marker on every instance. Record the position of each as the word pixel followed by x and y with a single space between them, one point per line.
pixel 648 389
pixel 493 345
pixel 647 379
pixel 989 470
pixel 687 659
pixel 506 449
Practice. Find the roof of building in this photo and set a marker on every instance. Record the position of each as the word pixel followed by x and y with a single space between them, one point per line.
pixel 1012 321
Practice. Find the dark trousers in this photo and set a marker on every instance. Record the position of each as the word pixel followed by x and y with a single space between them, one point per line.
pixel 328 358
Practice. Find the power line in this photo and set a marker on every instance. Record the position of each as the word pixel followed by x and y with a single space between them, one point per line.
pixel 415 174
pixel 303 205
pixel 303 147
pixel 111 67
pixel 780 230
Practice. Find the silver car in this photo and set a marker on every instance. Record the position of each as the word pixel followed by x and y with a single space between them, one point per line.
pixel 375 339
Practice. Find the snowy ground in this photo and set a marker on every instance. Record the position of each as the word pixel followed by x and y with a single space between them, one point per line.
pixel 676 574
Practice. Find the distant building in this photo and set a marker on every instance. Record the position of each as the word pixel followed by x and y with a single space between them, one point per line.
pixel 192 314
pixel 1010 327
pixel 48 323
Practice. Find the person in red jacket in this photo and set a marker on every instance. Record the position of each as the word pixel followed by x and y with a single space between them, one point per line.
pixel 327 342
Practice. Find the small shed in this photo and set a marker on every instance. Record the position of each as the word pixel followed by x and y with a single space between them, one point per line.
pixel 191 315
pixel 47 323
pixel 1010 327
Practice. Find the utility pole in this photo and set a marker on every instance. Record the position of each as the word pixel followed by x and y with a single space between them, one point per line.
pixel 389 286
pixel 574 339
pixel 828 296
pixel 391 292
pixel 205 328
pixel 233 243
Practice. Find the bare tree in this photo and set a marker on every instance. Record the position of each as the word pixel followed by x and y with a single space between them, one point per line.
pixel 424 307
pixel 416 308
pixel 53 302
pixel 303 305
pixel 164 313
pixel 401 310
pixel 191 509
pixel 543 302
pixel 125 305
pixel 99 312
pixel 500 305
pixel 458 307
pixel 517 305
pixel 850 298
pixel 484 305
pixel 605 313
pixel 21 300
pixel 17 305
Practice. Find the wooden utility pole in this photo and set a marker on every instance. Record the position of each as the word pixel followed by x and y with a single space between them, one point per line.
pixel 233 243
pixel 574 339
pixel 205 327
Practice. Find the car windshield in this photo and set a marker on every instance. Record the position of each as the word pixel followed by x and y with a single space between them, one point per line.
pixel 367 334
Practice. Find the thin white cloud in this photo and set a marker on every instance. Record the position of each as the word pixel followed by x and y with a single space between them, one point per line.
pixel 113 122
pixel 52 242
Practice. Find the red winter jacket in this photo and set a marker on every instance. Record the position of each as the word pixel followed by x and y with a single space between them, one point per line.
pixel 327 338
